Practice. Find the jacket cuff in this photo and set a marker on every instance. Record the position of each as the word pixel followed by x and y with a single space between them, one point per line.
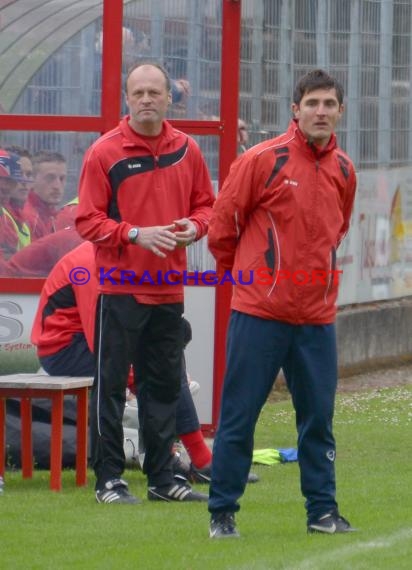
pixel 125 232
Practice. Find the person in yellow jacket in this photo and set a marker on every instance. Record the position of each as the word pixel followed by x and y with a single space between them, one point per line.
pixel 18 197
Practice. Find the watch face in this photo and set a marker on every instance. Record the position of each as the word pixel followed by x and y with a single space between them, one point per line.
pixel 133 233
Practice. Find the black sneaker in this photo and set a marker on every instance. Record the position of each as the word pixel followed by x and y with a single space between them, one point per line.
pixel 116 491
pixel 222 525
pixel 175 492
pixel 204 475
pixel 331 523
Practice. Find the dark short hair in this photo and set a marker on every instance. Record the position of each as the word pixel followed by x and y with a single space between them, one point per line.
pixel 48 156
pixel 19 150
pixel 153 64
pixel 317 79
pixel 43 156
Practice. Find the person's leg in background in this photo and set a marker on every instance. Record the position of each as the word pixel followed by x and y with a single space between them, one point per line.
pixel 73 360
pixel 188 427
pixel 190 434
pixel 187 420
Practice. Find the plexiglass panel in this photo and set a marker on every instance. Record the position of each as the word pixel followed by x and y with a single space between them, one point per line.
pixel 51 162
pixel 185 36
pixel 48 61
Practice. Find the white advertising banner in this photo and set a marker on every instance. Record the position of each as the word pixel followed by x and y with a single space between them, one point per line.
pixel 376 256
pixel 17 354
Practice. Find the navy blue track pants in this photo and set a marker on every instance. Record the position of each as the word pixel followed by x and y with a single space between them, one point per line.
pixel 256 350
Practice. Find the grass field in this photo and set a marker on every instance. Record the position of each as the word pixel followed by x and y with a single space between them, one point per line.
pixel 40 529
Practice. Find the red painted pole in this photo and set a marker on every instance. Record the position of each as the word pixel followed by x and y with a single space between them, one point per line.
pixel 112 63
pixel 228 148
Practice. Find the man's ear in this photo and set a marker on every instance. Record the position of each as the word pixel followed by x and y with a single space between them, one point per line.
pixel 295 110
pixel 169 97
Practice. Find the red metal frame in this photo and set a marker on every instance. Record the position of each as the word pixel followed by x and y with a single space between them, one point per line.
pixel 228 148
pixel 226 129
pixel 56 435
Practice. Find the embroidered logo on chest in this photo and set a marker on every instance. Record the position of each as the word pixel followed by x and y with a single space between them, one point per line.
pixel 290 182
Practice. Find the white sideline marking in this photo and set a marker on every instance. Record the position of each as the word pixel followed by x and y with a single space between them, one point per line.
pixel 327 559
pixel 348 551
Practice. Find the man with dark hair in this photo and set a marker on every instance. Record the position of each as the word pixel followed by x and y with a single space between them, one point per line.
pixel 317 79
pixel 285 207
pixel 50 174
pixel 145 193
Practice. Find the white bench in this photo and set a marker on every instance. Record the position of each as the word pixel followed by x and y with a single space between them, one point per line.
pixel 28 386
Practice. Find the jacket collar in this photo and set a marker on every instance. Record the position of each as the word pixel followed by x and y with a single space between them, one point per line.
pixel 131 138
pixel 39 204
pixel 310 146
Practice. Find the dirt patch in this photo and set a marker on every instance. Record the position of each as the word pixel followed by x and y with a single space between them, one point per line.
pixel 383 378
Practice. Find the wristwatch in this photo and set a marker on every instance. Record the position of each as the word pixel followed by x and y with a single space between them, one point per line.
pixel 133 234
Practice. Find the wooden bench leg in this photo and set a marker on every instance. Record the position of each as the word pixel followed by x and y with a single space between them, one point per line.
pixel 56 445
pixel 26 438
pixel 2 435
pixel 81 437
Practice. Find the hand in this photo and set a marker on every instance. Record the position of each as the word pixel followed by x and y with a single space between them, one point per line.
pixel 186 232
pixel 157 238
pixel 183 86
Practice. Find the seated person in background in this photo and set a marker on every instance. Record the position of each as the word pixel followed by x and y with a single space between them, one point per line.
pixel 188 428
pixel 19 194
pixel 46 195
pixel 39 258
pixel 10 176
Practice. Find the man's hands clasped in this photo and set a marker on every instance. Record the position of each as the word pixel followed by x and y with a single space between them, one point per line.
pixel 162 239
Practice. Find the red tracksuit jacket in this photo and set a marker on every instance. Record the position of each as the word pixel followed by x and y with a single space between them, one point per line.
pixel 64 307
pixel 281 214
pixel 123 184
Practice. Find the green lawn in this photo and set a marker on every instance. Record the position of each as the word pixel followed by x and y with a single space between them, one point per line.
pixel 41 529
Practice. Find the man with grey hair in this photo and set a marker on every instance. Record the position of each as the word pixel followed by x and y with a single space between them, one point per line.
pixel 145 194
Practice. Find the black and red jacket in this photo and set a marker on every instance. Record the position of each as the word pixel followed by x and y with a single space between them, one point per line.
pixel 124 184
pixel 66 306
